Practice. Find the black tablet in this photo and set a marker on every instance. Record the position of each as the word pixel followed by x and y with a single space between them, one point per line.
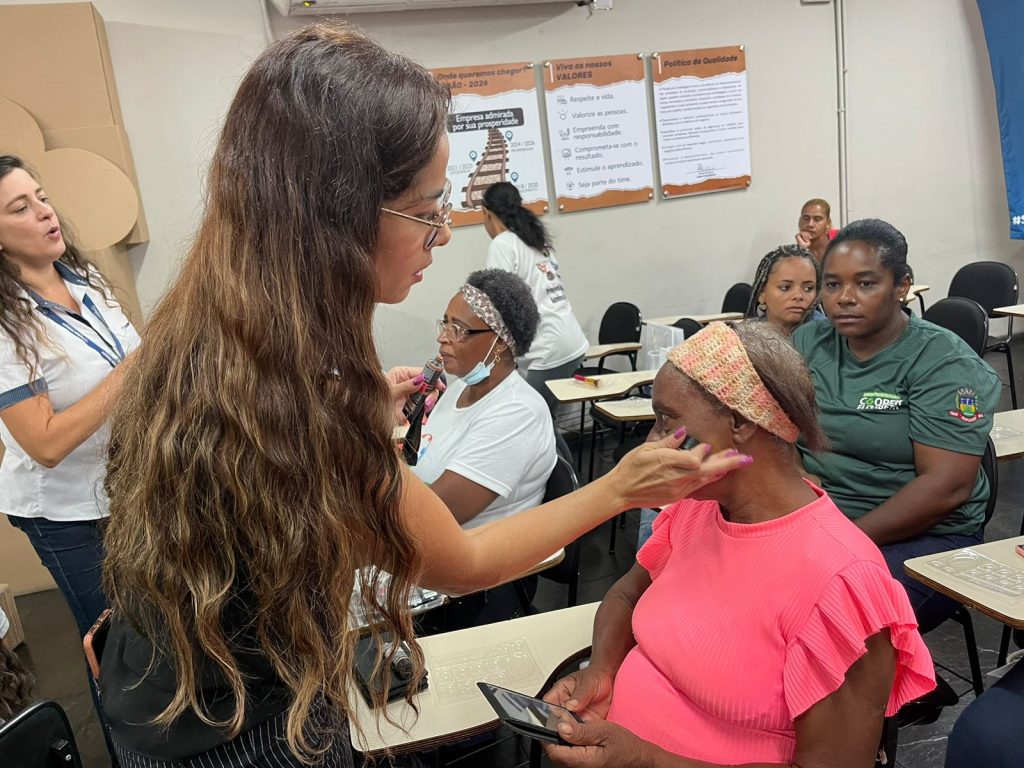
pixel 526 715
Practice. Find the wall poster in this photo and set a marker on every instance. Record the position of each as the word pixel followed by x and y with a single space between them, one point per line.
pixel 703 123
pixel 599 131
pixel 495 134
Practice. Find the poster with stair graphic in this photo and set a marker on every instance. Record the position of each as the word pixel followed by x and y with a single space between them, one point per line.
pixel 495 134
pixel 599 130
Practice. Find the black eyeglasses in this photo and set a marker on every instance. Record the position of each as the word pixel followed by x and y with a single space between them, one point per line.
pixel 437 221
pixel 458 333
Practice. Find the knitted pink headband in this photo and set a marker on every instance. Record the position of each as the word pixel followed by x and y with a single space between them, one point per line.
pixel 715 359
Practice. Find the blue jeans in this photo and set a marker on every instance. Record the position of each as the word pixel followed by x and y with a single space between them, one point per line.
pixel 646 526
pixel 73 554
pixel 930 607
pixel 987 732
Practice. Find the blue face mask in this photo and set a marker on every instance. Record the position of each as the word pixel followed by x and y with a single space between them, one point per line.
pixel 480 371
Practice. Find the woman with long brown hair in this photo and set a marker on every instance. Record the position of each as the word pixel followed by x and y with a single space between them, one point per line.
pixel 252 474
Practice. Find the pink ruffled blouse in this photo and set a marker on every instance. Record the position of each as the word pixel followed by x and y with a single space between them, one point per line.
pixel 747 626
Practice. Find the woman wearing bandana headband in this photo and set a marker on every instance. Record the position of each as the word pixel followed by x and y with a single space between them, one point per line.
pixel 489 445
pixel 760 565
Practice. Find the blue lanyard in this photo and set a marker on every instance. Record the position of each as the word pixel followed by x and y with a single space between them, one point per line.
pixel 113 355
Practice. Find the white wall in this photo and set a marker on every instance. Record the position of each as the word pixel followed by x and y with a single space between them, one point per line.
pixel 923 137
pixel 679 255
pixel 923 148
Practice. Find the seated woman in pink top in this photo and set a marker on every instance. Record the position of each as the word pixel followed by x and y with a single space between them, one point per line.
pixel 759 626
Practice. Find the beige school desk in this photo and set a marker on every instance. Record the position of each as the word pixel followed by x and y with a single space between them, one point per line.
pixel 1008 434
pixel 915 293
pixel 521 654
pixel 599 351
pixel 1017 310
pixel 1004 608
pixel 702 319
pixel 611 385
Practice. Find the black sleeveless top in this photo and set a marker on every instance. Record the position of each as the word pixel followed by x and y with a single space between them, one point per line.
pixel 136 686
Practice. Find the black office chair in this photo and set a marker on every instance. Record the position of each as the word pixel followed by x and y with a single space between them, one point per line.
pixel 964 317
pixel 737 298
pixel 40 737
pixel 561 482
pixel 991 284
pixel 688 325
pixel 621 323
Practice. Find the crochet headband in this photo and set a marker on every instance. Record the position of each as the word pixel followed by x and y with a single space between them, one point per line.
pixel 484 308
pixel 715 359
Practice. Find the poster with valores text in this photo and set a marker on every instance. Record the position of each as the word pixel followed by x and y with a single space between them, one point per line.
pixel 702 119
pixel 599 131
pixel 494 134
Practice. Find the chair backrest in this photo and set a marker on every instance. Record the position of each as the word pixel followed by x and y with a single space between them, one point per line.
pixel 964 317
pixel 620 323
pixel 689 326
pixel 562 482
pixel 737 298
pixel 562 449
pixel 990 283
pixel 990 466
pixel 40 737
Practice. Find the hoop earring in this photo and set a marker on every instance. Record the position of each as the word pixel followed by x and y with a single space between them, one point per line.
pixel 762 307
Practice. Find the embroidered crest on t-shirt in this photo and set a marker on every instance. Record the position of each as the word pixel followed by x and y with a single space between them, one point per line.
pixel 966 406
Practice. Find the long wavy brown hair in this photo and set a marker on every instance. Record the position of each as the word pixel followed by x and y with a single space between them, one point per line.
pixel 251 455
pixel 17 318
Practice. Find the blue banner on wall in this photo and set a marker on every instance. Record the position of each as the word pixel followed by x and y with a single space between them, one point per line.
pixel 1004 31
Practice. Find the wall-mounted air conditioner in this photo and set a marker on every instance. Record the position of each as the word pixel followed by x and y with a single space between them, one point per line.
pixel 304 7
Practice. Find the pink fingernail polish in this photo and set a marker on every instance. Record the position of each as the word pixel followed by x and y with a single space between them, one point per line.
pixel 680 433
pixel 746 460
pixel 418 379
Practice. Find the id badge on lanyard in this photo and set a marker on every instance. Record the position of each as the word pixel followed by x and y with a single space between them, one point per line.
pixel 111 354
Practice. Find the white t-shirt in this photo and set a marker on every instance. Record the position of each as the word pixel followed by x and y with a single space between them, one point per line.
pixel 560 339
pixel 68 369
pixel 504 442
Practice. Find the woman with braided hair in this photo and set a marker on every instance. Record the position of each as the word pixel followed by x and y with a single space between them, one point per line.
pixel 785 290
pixel 521 245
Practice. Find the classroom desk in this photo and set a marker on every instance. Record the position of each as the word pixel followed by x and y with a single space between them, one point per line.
pixel 1017 310
pixel 1008 434
pixel 521 654
pixel 610 385
pixel 702 319
pixel 625 411
pixel 423 600
pixel 1003 608
pixel 603 350
pixel 915 293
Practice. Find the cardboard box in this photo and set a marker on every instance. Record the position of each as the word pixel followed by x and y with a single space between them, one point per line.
pixel 58 68
pixel 19 564
pixel 15 634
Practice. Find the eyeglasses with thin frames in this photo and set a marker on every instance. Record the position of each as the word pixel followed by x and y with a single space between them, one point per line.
pixel 458 333
pixel 437 221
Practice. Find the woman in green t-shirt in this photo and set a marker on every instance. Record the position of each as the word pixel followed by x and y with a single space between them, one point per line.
pixel 907 406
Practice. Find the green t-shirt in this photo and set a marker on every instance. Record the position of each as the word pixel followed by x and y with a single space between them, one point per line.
pixel 929 388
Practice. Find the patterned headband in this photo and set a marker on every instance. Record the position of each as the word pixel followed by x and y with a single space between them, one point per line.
pixel 484 308
pixel 716 360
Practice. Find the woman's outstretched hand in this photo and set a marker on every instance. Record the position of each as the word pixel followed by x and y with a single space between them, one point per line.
pixel 659 473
